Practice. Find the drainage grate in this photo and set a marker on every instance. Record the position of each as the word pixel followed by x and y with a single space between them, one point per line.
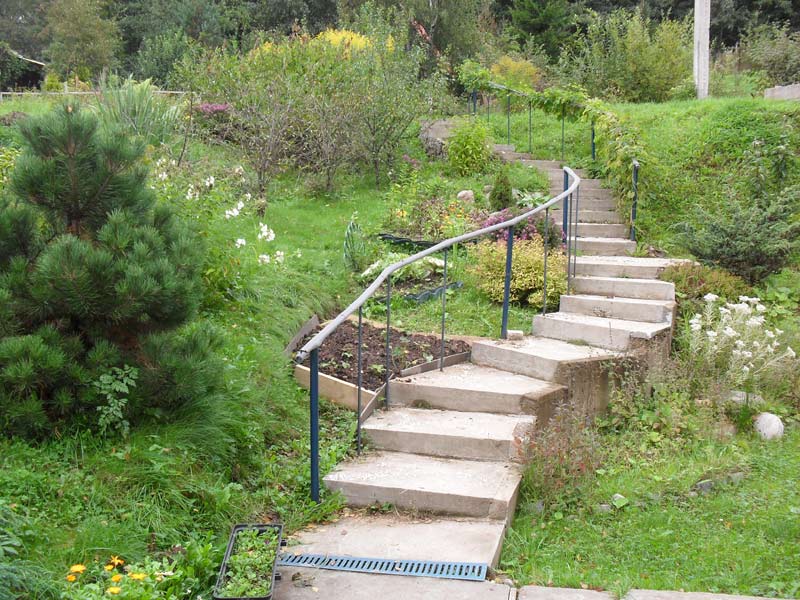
pixel 415 568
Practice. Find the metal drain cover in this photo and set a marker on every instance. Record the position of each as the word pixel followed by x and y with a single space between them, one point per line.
pixel 383 566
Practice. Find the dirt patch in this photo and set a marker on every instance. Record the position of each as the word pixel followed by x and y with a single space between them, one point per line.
pixel 338 355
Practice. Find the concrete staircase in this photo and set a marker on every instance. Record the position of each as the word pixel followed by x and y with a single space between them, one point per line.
pixel 449 454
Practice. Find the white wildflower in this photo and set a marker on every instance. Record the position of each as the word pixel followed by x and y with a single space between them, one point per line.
pixel 710 297
pixel 240 205
pixel 241 242
pixel 192 194
pixel 712 335
pixel 746 369
pixel 163 176
pixel 265 234
pixel 790 352
pixel 769 334
pixel 233 212
pixel 209 181
pixel 747 354
pixel 730 332
pixel 264 259
pixel 778 331
pixel 756 344
pixel 724 311
pixel 742 307
pixel 761 308
pixel 279 257
pixel 739 344
pixel 248 196
pixel 238 170
pixel 298 254
pixel 755 321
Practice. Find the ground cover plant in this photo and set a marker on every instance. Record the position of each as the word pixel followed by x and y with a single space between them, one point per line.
pixel 249 571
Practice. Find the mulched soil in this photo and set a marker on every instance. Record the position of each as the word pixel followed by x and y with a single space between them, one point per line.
pixel 338 357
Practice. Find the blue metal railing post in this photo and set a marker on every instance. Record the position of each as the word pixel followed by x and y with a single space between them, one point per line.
pixel 508 119
pixel 565 212
pixel 530 127
pixel 507 288
pixel 388 365
pixel 315 424
pixel 546 251
pixel 359 377
pixel 563 117
pixel 444 310
pixel 634 206
pixel 594 148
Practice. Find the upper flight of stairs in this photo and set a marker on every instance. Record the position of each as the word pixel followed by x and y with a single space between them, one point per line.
pixel 452 443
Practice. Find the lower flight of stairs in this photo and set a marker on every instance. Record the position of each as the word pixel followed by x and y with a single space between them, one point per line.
pixel 449 453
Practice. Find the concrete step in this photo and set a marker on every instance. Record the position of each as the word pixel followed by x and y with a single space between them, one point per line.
pixel 543 165
pixel 429 484
pixel 593 216
pixel 647 289
pixel 538 357
pixel 634 309
pixel 504 148
pixel 602 230
pixel 343 585
pixel 404 537
pixel 614 334
pixel 474 388
pixel 509 156
pixel 623 266
pixel 596 204
pixel 451 434
pixel 598 246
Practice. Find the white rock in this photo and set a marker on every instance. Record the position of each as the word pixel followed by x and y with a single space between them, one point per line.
pixel 515 334
pixel 466 196
pixel 742 398
pixel 768 426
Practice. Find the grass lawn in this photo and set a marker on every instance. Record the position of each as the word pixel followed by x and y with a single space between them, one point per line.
pixel 740 538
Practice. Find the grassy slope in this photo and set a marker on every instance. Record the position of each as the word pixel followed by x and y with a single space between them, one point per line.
pixel 162 486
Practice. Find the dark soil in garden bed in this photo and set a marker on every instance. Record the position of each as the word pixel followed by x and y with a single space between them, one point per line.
pixel 338 355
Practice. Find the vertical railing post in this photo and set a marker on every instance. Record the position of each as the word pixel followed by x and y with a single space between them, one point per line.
pixel 508 119
pixel 563 117
pixel 576 224
pixel 546 251
pixel 530 127
pixel 634 206
pixel 314 385
pixel 488 108
pixel 359 381
pixel 594 147
pixel 444 310
pixel 507 286
pixel 388 364
pixel 565 208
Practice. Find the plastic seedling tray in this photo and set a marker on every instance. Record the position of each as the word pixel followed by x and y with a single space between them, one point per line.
pixel 223 570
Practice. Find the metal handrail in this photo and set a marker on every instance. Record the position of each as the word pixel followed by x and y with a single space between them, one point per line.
pixel 318 339
pixel 311 348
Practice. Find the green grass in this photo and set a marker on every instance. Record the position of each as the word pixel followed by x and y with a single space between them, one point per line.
pixel 740 538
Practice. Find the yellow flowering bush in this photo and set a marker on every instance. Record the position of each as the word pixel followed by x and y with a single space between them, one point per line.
pixel 527 271
pixel 346 39
pixel 516 73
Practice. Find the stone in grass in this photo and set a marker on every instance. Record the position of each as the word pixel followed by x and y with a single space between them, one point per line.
pixel 741 398
pixel 603 508
pixel 704 487
pixel 768 426
pixel 515 334
pixel 466 196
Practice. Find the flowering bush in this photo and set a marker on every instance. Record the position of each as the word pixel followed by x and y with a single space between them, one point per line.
pixel 527 271
pixel 730 341
pixel 534 227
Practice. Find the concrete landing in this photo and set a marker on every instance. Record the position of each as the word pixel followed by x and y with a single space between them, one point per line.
pixel 404 538
pixel 318 584
pixel 614 334
pixel 451 434
pixel 475 388
pixel 429 484
pixel 534 592
pixel 538 357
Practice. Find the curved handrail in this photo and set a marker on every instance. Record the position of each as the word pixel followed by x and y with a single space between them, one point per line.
pixel 318 339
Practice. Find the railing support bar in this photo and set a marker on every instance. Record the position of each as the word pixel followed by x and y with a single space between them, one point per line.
pixel 315 424
pixel 565 208
pixel 594 152
pixel 444 310
pixel 546 251
pixel 508 119
pixel 507 287
pixel 388 365
pixel 634 206
pixel 359 362
pixel 530 127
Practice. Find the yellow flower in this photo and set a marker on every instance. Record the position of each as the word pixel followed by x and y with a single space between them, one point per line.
pixel 114 590
pixel 109 567
pixel 77 568
pixel 71 577
pixel 116 561
pixel 116 578
pixel 138 576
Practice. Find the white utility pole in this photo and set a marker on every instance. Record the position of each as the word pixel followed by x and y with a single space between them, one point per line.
pixel 702 24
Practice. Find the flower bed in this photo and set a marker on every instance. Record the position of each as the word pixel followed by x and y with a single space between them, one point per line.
pixel 248 569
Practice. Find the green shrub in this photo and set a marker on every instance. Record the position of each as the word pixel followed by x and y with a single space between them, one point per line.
pixel 94 276
pixel 158 56
pixel 18 577
pixel 468 148
pixel 52 83
pixel 757 231
pixel 774 49
pixel 488 269
pixel 135 109
pixel 626 56
pixel 502 195
pixel 693 281
pixel 8 157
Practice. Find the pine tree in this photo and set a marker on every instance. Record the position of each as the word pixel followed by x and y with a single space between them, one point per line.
pixel 91 268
